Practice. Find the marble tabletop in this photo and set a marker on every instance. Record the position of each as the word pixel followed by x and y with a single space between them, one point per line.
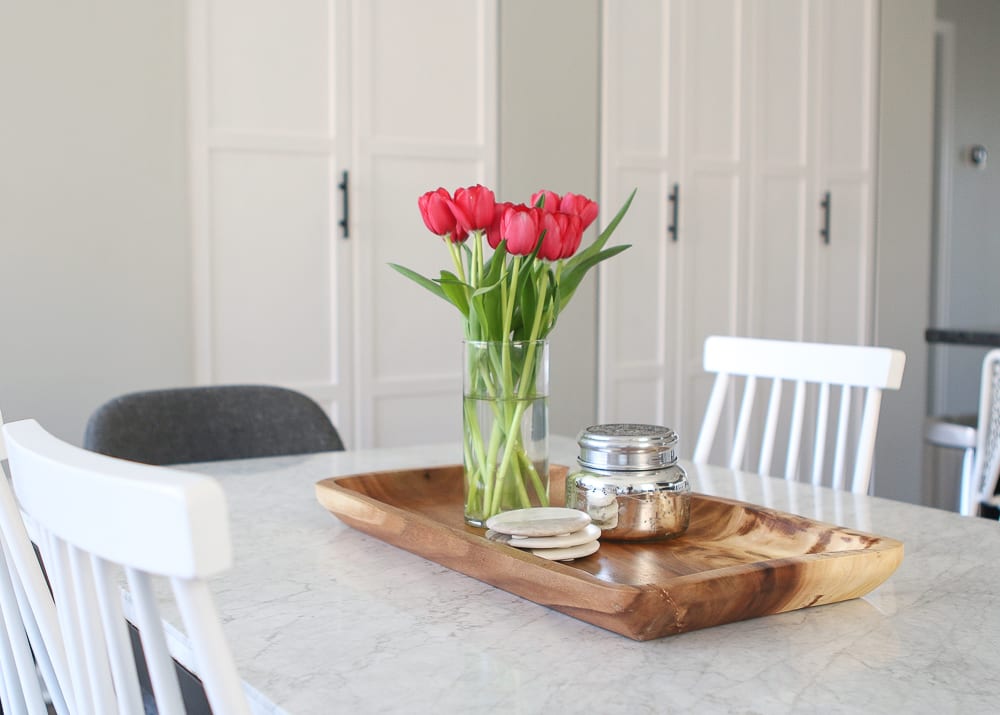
pixel 322 618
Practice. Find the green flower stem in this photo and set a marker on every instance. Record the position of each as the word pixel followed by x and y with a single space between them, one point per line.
pixel 526 382
pixel 508 452
pixel 478 280
pixel 520 495
pixel 536 481
pixel 479 457
pixel 456 258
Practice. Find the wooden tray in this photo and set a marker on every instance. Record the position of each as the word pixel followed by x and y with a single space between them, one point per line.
pixel 736 561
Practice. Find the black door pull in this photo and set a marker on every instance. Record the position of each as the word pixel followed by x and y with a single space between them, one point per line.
pixel 824 230
pixel 345 207
pixel 674 199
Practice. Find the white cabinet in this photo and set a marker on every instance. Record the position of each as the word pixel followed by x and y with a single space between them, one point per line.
pixel 734 119
pixel 285 98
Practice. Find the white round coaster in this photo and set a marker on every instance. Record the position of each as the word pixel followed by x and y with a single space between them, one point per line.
pixel 588 533
pixel 572 552
pixel 539 521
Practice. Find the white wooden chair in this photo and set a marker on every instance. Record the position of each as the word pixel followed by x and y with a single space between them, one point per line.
pixel 986 471
pixel 94 514
pixel 870 369
pixel 25 637
pixel 978 436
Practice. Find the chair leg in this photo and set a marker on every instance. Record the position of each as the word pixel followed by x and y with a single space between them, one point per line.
pixel 967 502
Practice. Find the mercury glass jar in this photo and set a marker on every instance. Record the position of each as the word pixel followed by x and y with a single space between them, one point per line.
pixel 630 483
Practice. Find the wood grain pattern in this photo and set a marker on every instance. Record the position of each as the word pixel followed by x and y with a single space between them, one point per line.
pixel 736 561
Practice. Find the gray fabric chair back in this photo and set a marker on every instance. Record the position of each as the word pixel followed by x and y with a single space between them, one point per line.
pixel 206 424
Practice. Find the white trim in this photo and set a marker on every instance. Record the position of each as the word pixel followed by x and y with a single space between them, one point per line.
pixel 604 191
pixel 945 121
pixel 201 289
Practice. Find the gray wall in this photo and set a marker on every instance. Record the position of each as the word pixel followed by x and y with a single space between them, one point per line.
pixel 973 297
pixel 94 275
pixel 903 236
pixel 549 138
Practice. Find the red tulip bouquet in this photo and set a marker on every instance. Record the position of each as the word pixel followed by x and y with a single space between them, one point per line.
pixel 509 301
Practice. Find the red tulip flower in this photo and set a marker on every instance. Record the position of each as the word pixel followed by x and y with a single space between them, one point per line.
pixel 562 235
pixel 551 203
pixel 579 205
pixel 476 208
pixel 553 225
pixel 572 233
pixel 493 236
pixel 520 226
pixel 437 211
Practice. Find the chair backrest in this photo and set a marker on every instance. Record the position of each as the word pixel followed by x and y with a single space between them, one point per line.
pixel 204 424
pixel 987 463
pixel 94 516
pixel 28 637
pixel 853 368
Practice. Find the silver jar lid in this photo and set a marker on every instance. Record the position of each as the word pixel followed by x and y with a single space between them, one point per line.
pixel 628 447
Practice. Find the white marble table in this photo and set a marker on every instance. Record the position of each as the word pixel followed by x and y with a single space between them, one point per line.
pixel 323 618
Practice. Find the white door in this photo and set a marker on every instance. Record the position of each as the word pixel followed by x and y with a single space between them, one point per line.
pixel 672 129
pixel 636 358
pixel 812 120
pixel 753 110
pixel 426 108
pixel 291 282
pixel 783 197
pixel 270 134
pixel 712 245
pixel 845 139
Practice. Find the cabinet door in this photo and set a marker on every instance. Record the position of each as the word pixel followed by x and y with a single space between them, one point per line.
pixel 637 317
pixel 754 108
pixel 269 135
pixel 285 98
pixel 781 186
pixel 712 246
pixel 845 167
pixel 425 88
pixel 673 111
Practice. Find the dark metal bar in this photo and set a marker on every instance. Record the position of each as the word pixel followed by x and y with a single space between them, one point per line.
pixel 825 230
pixel 674 199
pixel 344 222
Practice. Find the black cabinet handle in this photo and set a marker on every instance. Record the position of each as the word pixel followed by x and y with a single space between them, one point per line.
pixel 674 199
pixel 345 206
pixel 825 229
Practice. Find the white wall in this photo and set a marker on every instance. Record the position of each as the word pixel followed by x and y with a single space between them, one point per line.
pixel 94 276
pixel 549 107
pixel 903 232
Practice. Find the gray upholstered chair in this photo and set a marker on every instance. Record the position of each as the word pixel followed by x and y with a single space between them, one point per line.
pixel 205 424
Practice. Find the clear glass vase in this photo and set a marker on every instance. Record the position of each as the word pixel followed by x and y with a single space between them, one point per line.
pixel 505 420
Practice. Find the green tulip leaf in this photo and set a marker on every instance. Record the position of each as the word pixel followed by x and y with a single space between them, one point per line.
pixel 595 247
pixel 494 267
pixel 420 280
pixel 572 276
pixel 455 291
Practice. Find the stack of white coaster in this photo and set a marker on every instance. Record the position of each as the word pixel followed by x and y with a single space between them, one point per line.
pixel 553 533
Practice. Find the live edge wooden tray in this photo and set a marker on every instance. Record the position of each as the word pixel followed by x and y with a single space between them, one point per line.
pixel 736 561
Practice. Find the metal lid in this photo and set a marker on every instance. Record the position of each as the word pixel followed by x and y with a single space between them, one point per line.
pixel 627 447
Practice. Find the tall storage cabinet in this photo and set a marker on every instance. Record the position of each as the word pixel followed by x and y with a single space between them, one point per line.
pixel 315 125
pixel 748 128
